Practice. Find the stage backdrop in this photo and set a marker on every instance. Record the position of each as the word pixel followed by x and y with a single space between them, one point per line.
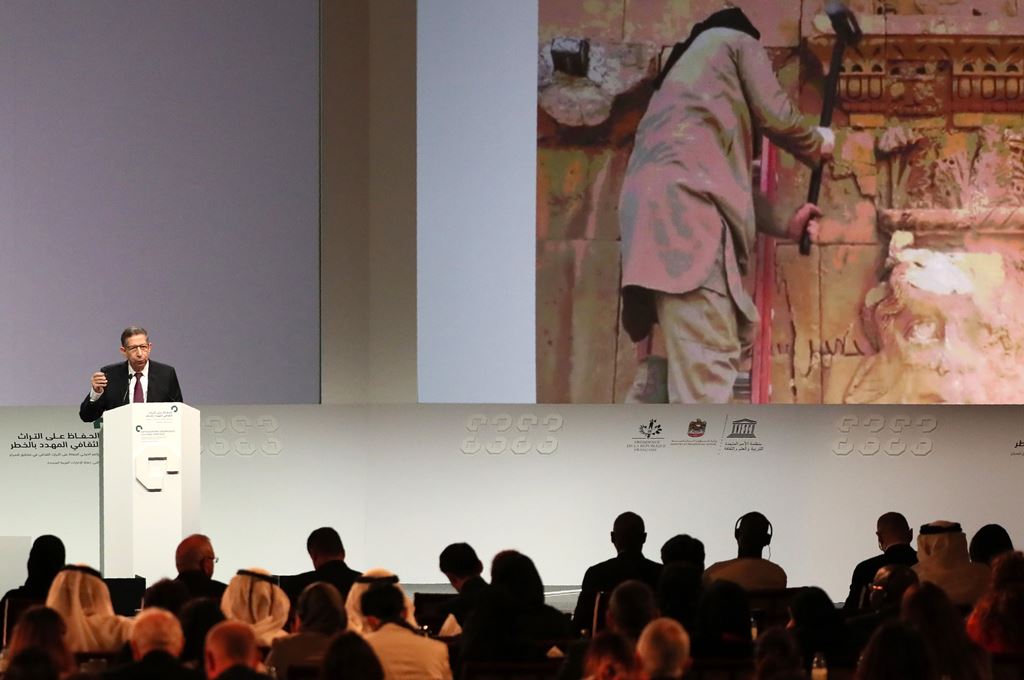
pixel 401 482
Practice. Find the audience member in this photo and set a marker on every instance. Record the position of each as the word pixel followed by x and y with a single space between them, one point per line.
pixel 166 594
pixel 628 536
pixel 350 657
pixel 819 629
pixel 885 595
pixel 997 622
pixel 45 559
pixel 679 589
pixel 683 548
pixel 894 536
pixel 32 664
pixel 611 657
pixel 197 617
pixel 80 596
pixel 1007 569
pixel 354 602
pixel 749 570
pixel 232 652
pixel 319 615
pixel 896 652
pixel 721 626
pixel 254 597
pixel 943 560
pixel 512 622
pixel 194 559
pixel 664 649
pixel 156 642
pixel 777 655
pixel 989 542
pixel 403 653
pixel 929 609
pixel 42 628
pixel 459 563
pixel 327 553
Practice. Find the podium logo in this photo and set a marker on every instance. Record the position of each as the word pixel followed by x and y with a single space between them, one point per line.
pixel 153 464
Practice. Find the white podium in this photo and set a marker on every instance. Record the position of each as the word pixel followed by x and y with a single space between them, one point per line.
pixel 149 488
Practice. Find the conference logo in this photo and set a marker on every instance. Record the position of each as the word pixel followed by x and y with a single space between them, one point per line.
pixel 242 435
pixel 504 433
pixel 870 435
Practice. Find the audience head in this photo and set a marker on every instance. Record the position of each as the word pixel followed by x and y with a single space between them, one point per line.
pixel 610 656
pixel 254 597
pixel 683 548
pixel 42 628
pixel 889 584
pixel 1007 569
pixel 156 630
pixel 893 529
pixel 230 644
pixel 324 545
pixel 753 532
pixel 664 649
pixel 896 651
pixel 354 605
pixel 515 573
pixel 350 657
pixel 989 542
pixel 679 588
pixel 166 594
pixel 197 617
pixel 631 607
pixel 813 608
pixel 929 610
pixel 45 559
pixel 383 603
pixel 628 533
pixel 459 563
pixel 723 612
pixel 999 620
pixel 80 596
pixel 942 541
pixel 195 554
pixel 32 664
pixel 320 610
pixel 778 655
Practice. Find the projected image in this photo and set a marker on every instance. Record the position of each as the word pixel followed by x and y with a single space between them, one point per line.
pixel 676 142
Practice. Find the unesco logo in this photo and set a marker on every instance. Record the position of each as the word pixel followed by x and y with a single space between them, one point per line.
pixel 892 436
pixel 504 433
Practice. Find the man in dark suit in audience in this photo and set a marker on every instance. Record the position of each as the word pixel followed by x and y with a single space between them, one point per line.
pixel 194 559
pixel 137 379
pixel 882 604
pixel 156 643
pixel 628 536
pixel 460 564
pixel 328 555
pixel 231 652
pixel 894 536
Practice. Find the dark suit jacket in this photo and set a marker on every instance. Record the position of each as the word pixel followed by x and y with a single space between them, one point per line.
pixel 864 573
pixel 605 576
pixel 335 572
pixel 200 585
pixel 163 386
pixel 242 673
pixel 463 604
pixel 153 666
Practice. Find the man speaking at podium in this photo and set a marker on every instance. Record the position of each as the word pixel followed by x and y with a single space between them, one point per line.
pixel 136 380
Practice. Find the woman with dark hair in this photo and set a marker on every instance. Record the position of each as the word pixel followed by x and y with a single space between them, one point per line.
pixel 1007 570
pixel 819 628
pixel 511 622
pixel 930 611
pixel 721 626
pixel 350 657
pixel 679 589
pixel 197 617
pixel 319 615
pixel 45 559
pixel 43 629
pixel 997 622
pixel 896 651
pixel 991 541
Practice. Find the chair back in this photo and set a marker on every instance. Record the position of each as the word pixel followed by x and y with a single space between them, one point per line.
pixel 126 594
pixel 429 609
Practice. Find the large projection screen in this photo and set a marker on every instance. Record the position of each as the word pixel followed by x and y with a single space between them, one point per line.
pixel 160 168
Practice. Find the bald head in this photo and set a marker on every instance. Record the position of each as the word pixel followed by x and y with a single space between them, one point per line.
pixel 893 529
pixel 229 644
pixel 195 553
pixel 155 630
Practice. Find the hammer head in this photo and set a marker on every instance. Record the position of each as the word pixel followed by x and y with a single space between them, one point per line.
pixel 844 22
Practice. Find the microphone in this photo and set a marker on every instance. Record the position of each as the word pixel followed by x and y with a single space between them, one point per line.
pixel 124 399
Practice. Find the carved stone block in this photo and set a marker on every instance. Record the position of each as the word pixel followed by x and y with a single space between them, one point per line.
pixel 578 193
pixel 577 312
pixel 796 327
pixel 849 190
pixel 597 19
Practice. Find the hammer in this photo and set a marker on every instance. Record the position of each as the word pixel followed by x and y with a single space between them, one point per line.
pixel 848 32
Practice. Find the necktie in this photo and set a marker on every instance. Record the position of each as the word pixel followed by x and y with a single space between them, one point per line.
pixel 137 398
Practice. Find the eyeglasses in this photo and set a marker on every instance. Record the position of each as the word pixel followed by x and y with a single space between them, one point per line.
pixel 142 348
pixel 212 558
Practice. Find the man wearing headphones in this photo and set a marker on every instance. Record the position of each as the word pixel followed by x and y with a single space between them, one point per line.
pixel 749 570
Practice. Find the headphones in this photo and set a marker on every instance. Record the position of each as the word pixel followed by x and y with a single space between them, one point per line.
pixel 751 515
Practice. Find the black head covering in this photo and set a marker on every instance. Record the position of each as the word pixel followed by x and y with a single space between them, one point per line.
pixel 45 559
pixel 733 18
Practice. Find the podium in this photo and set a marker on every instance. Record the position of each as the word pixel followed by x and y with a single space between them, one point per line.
pixel 149 487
